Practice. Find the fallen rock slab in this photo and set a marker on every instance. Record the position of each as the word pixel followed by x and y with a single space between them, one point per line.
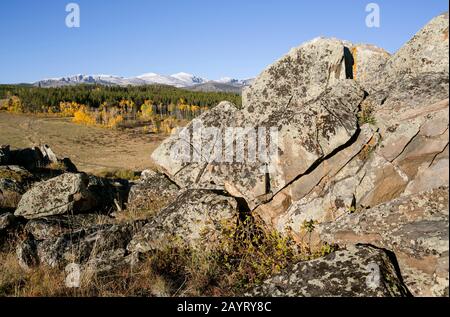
pixel 358 271
pixel 414 227
pixel 60 195
pixel 196 219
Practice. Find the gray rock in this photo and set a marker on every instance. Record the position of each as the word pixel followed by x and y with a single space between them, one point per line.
pixel 152 192
pixel 300 76
pixel 14 181
pixel 7 221
pixel 60 195
pixel 196 219
pixel 415 227
pixel 360 271
pixel 368 62
pixel 426 52
pixel 26 252
pixel 84 245
pixel 55 226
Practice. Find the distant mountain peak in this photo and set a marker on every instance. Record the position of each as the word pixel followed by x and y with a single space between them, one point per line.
pixel 179 80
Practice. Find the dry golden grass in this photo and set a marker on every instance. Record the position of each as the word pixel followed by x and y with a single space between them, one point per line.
pixel 90 148
pixel 231 267
pixel 118 173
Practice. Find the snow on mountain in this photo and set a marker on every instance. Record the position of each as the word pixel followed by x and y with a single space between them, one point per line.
pixel 189 79
pixel 179 80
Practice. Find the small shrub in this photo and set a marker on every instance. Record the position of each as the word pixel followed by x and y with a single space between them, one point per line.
pixel 366 115
pixel 118 174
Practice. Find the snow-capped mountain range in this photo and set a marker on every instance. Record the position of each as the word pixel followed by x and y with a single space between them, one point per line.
pixel 179 80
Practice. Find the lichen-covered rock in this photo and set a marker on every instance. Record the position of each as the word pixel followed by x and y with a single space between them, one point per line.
pixel 152 192
pixel 407 154
pixel 196 219
pixel 321 195
pixel 301 75
pixel 413 149
pixel 426 52
pixel 415 227
pixel 7 221
pixel 358 271
pixel 368 62
pixel 54 226
pixel 82 245
pixel 26 252
pixel 14 181
pixel 60 195
pixel 306 132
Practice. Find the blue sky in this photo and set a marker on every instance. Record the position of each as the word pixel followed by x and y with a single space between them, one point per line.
pixel 210 38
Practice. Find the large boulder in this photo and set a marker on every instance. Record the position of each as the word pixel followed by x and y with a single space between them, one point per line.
pixel 152 192
pixel 94 249
pixel 401 147
pixel 426 52
pixel 71 193
pixel 300 76
pixel 197 219
pixel 415 227
pixel 64 194
pixel 360 271
pixel 305 99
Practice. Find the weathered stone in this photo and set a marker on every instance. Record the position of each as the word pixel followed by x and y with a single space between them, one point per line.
pixel 152 192
pixel 414 227
pixel 320 195
pixel 426 52
pixel 60 195
pixel 301 75
pixel 84 245
pixel 14 181
pixel 196 219
pixel 360 271
pixel 7 220
pixel 169 155
pixel 26 252
pixel 368 62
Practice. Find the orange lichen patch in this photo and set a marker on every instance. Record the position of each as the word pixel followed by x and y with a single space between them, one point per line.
pixel 445 34
pixel 354 53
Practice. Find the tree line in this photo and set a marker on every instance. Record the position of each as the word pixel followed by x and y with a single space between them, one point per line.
pixel 39 100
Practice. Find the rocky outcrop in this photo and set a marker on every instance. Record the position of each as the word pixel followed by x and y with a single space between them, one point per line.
pixel 14 182
pixel 64 194
pixel 357 128
pixel 304 97
pixel 152 192
pixel 8 222
pixel 70 193
pixel 96 249
pixel 35 159
pixel 360 271
pixel 196 220
pixel 415 227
